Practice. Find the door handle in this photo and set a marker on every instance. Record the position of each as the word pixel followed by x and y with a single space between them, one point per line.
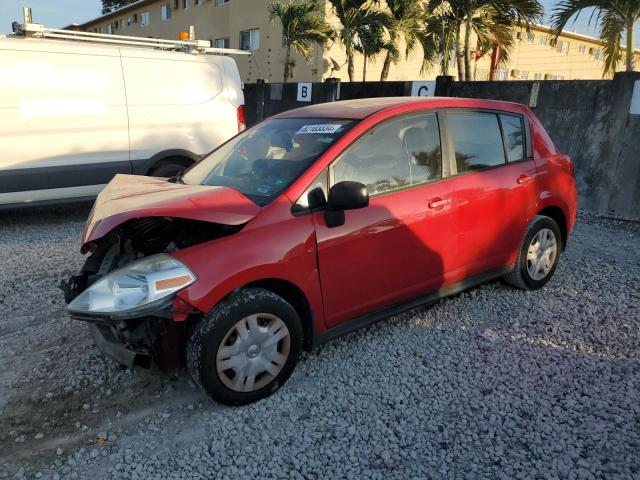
pixel 439 202
pixel 522 179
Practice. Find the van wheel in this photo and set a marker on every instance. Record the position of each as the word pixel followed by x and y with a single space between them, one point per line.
pixel 246 347
pixel 538 255
pixel 168 168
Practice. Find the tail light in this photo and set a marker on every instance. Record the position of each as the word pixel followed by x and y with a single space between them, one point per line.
pixel 241 121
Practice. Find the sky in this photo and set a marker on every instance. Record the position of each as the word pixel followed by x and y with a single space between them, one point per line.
pixel 60 13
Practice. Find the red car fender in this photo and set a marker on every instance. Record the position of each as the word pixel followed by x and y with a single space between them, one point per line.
pixel 287 253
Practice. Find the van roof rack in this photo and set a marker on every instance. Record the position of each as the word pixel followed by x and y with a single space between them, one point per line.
pixel 37 30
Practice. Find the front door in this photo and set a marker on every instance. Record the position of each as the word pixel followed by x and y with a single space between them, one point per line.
pixel 397 248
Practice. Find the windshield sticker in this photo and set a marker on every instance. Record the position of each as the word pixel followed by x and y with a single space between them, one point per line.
pixel 326 139
pixel 322 128
pixel 264 189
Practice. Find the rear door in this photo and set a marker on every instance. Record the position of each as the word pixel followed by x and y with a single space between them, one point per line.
pixel 493 188
pixel 398 247
pixel 63 121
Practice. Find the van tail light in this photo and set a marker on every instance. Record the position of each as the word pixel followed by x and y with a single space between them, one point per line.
pixel 241 120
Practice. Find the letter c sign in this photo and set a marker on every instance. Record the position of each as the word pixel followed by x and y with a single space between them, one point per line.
pixel 423 89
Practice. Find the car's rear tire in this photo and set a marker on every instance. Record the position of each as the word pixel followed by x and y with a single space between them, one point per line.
pixel 246 347
pixel 538 255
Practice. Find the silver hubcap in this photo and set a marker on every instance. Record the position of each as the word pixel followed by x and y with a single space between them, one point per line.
pixel 541 254
pixel 253 352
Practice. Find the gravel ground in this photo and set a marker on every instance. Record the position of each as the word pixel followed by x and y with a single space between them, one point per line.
pixel 493 383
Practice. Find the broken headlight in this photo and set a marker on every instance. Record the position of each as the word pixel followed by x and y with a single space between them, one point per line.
pixel 139 284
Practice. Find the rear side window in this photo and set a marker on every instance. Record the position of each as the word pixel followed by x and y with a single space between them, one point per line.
pixel 477 140
pixel 513 132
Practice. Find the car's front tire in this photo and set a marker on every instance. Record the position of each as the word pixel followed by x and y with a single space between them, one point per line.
pixel 538 255
pixel 246 347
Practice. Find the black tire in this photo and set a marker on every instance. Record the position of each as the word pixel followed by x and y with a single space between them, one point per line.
pixel 203 345
pixel 520 277
pixel 168 168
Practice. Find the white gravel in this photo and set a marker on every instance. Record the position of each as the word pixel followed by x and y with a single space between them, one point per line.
pixel 494 383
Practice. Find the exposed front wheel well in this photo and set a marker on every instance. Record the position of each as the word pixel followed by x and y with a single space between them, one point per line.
pixel 556 214
pixel 292 294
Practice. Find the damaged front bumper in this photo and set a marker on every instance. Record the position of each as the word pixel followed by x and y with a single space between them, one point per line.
pixel 146 336
pixel 107 342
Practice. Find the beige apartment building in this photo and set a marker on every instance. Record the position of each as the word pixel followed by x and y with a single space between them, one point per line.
pixel 244 24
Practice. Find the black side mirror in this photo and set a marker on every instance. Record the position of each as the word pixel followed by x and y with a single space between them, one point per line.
pixel 348 195
pixel 343 196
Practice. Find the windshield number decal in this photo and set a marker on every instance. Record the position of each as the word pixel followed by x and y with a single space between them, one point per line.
pixel 321 129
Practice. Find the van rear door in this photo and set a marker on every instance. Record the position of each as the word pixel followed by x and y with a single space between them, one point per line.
pixel 63 120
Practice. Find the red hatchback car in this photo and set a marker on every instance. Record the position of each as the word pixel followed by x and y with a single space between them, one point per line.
pixel 316 222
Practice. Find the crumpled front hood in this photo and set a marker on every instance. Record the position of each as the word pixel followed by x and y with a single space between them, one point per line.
pixel 134 196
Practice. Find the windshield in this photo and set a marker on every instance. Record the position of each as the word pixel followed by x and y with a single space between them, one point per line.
pixel 263 161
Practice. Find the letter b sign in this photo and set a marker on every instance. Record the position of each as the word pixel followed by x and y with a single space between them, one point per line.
pixel 304 92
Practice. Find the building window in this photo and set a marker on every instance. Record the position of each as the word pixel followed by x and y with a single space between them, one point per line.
pixel 559 46
pixel 129 21
pixel 222 42
pixel 144 19
pixel 110 29
pixel 524 75
pixel 501 74
pixel 198 2
pixel 250 39
pixel 543 40
pixel 221 2
pixel 530 37
pixel 582 49
pixel 537 76
pixel 598 55
pixel 185 4
pixel 176 4
pixel 165 12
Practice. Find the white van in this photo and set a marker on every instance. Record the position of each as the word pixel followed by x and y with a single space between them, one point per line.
pixel 72 115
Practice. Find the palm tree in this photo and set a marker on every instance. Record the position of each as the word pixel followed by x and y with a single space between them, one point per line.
pixel 472 13
pixel 441 37
pixel 615 17
pixel 352 14
pixel 371 40
pixel 302 27
pixel 407 21
pixel 493 35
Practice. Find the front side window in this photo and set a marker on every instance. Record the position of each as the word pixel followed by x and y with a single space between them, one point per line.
pixel 262 161
pixel 399 153
pixel 250 39
pixel 477 140
pixel 513 132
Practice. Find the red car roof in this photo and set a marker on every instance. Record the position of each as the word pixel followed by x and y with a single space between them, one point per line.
pixel 363 107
